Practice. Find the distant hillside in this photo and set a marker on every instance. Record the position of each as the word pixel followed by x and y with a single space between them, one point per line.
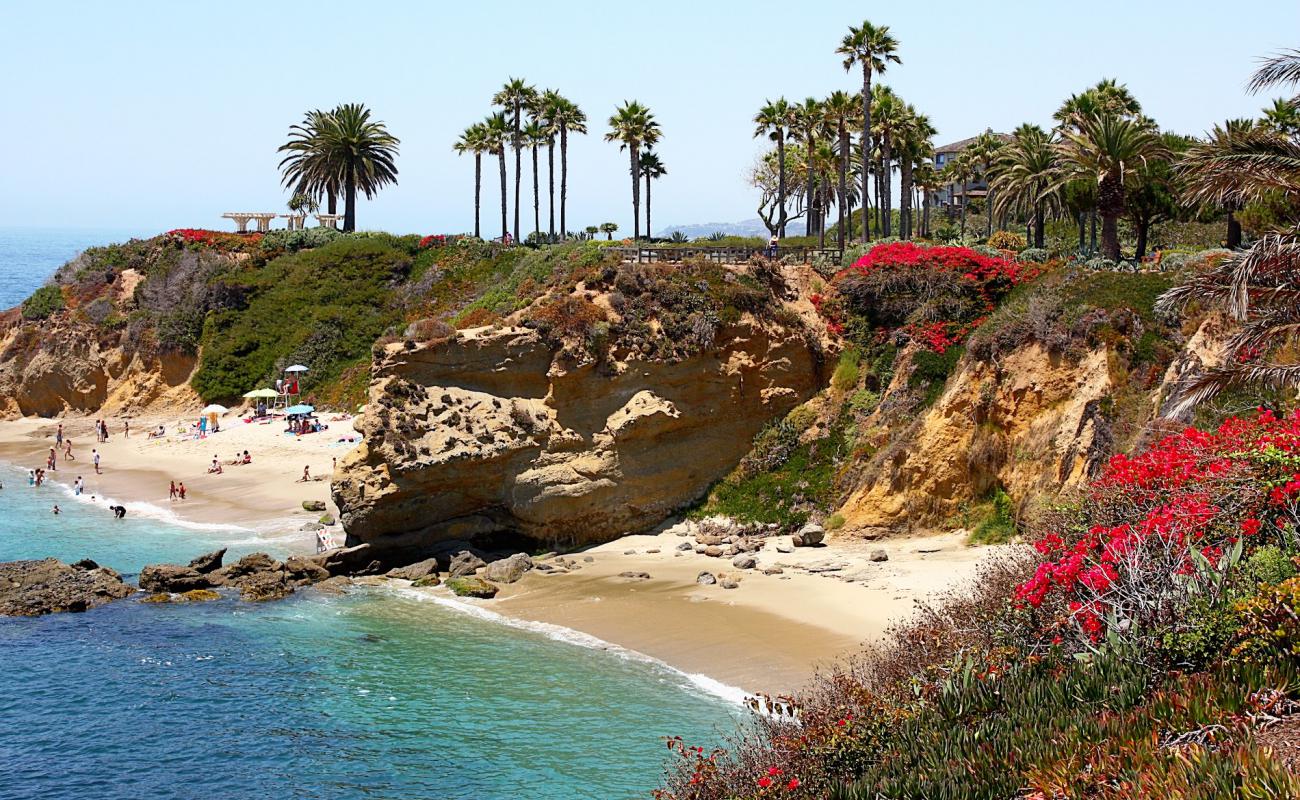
pixel 749 227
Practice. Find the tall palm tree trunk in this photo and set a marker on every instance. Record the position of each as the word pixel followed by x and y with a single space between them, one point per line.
pixel 518 145
pixel 633 148
pixel 866 141
pixel 478 191
pixel 505 201
pixel 648 234
pixel 1038 226
pixel 808 198
pixel 844 187
pixel 965 201
pixel 564 179
pixel 780 182
pixel 350 199
pixel 887 202
pixel 537 207
pixel 550 184
pixel 905 199
pixel 332 202
pixel 1234 231
pixel 925 213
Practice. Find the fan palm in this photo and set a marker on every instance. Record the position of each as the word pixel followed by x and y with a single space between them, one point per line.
pixel 307 168
pixel 1025 178
pixel 496 133
pixel 985 150
pixel 1212 176
pixel 915 145
pixel 513 97
pixel 473 140
pixel 606 228
pixel 1108 150
pixel 841 110
pixel 872 48
pixel 928 180
pixel 1283 116
pixel 632 125
pixel 565 117
pixel 547 103
pixel 960 170
pixel 652 168
pixel 1258 287
pixel 773 120
pixel 808 117
pixel 535 135
pixel 890 112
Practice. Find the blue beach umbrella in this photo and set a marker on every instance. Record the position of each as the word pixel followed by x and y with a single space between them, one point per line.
pixel 302 409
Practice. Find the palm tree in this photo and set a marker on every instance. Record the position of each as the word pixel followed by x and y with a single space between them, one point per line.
pixel 513 96
pixel 960 170
pixel 606 228
pixel 474 140
pixel 1202 169
pixel 535 136
pixel 1024 176
pixel 872 48
pixel 808 117
pixel 890 111
pixel 548 102
pixel 1283 116
pixel 632 126
pixel 773 120
pixel 496 132
pixel 344 148
pixel 1108 150
pixel 652 168
pixel 915 146
pixel 985 151
pixel 841 110
pixel 307 168
pixel 565 117
pixel 928 180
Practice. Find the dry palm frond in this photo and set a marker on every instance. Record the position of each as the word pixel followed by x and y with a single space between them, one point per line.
pixel 1270 270
pixel 1211 382
pixel 1241 166
pixel 1266 331
pixel 1282 68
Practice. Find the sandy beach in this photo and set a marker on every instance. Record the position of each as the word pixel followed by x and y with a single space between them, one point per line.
pixel 769 634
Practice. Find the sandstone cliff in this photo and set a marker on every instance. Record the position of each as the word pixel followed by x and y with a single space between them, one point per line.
pixel 495 429
pixel 53 367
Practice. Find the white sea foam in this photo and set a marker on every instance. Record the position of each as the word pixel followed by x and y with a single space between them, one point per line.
pixel 559 633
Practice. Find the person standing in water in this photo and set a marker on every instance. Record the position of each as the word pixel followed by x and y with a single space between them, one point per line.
pixel 94 456
pixel 180 490
pixel 171 494
pixel 78 486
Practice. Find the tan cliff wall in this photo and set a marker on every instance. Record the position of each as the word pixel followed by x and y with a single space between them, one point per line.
pixel 52 368
pixel 1033 424
pixel 490 430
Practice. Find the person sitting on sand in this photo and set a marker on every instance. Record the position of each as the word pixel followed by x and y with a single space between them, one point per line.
pixel 180 490
pixel 247 458
pixel 306 474
pixel 171 492
pixel 216 467
pixel 157 434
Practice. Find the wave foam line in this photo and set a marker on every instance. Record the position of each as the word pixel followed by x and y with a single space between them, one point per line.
pixel 559 633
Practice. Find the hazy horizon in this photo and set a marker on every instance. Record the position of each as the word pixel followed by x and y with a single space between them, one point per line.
pixel 163 116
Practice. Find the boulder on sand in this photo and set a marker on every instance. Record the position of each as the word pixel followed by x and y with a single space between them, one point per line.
pixel 706 579
pixel 879 555
pixel 508 570
pixel 313 505
pixel 416 571
pixel 472 586
pixel 464 563
pixel 809 535
pixel 32 588
pixel 744 561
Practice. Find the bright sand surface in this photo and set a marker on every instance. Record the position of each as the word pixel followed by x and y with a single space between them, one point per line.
pixel 768 635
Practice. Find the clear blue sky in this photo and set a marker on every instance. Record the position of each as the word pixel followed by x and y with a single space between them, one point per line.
pixel 161 115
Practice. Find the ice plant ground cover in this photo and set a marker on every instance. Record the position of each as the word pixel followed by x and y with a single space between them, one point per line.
pixel 1148 645
pixel 934 295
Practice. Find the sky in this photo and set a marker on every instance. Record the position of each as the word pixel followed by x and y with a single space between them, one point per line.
pixel 149 115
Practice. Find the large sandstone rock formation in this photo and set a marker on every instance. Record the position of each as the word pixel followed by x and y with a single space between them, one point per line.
pixel 54 367
pixel 32 588
pixel 490 430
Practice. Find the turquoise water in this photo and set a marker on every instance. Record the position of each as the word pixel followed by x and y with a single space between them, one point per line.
pixel 375 694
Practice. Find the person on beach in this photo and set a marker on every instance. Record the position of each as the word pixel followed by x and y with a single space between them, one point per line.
pixel 40 477
pixel 118 511
pixel 51 462
pixel 306 474
pixel 55 510
pixel 215 469
pixel 94 456
pixel 58 436
pixel 171 493
pixel 31 477
pixel 247 458
pixel 103 426
pixel 78 486
pixel 67 451
pixel 180 490
pixel 126 429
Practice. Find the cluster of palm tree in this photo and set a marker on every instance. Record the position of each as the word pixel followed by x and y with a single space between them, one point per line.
pixel 530 120
pixel 338 152
pixel 634 127
pixel 844 148
pixel 1238 165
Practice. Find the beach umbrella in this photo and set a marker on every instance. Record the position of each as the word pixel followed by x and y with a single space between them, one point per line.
pixel 302 409
pixel 215 408
pixel 267 393
pixel 296 368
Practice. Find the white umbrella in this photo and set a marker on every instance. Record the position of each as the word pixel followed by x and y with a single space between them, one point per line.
pixel 215 409
pixel 296 368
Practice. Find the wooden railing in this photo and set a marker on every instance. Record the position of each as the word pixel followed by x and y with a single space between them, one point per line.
pixel 651 254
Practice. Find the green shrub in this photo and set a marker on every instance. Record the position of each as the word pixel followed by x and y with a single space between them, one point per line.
pixel 44 302
pixel 847 370
pixel 931 370
pixel 999 523
pixel 1034 255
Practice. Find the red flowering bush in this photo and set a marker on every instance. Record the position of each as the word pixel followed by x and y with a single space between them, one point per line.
pixel 433 240
pixel 215 240
pixel 934 295
pixel 1160 529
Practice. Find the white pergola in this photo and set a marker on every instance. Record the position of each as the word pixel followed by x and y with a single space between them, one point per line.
pixel 296 221
pixel 242 218
pixel 329 220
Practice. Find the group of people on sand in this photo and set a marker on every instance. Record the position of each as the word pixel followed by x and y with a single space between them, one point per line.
pixel 177 491
pixel 240 458
pixel 101 430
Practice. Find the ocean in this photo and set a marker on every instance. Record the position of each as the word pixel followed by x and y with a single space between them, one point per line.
pixel 380 693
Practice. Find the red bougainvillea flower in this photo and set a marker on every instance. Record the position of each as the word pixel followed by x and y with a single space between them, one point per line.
pixel 792 785
pixel 764 782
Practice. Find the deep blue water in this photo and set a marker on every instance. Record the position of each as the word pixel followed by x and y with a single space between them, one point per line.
pixel 375 694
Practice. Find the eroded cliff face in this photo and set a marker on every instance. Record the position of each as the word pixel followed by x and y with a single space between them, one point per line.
pixel 53 368
pixel 491 430
pixel 1034 424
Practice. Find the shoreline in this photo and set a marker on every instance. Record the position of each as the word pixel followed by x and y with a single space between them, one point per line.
pixel 768 635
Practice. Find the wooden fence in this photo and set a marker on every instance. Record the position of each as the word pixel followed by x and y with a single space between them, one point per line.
pixel 651 254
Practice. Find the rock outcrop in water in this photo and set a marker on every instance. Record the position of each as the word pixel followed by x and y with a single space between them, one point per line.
pixel 33 588
pixel 493 430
